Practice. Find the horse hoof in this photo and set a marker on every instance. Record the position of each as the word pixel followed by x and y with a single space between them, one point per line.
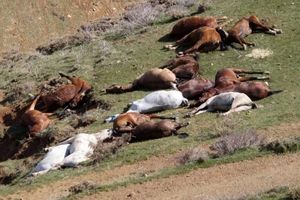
pixel 244 47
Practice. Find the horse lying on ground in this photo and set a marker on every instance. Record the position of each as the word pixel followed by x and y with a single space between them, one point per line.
pixel 158 101
pixel 185 67
pixel 194 88
pixel 188 24
pixel 126 122
pixel 153 130
pixel 71 152
pixel 36 121
pixel 82 146
pixel 230 80
pixel 70 94
pixel 52 160
pixel 154 102
pixel 245 27
pixel 203 39
pixel 227 102
pixel 154 79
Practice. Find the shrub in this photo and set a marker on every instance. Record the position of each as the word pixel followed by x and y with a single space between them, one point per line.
pixel 282 146
pixel 81 187
pixel 230 143
pixel 197 154
pixel 294 194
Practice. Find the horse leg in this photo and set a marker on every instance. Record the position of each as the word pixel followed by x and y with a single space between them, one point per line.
pixel 250 78
pixel 246 71
pixel 237 109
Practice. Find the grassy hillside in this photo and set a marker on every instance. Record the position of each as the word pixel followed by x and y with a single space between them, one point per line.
pixel 107 60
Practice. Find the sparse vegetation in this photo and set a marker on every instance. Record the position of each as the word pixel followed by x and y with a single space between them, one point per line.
pixel 230 143
pixel 282 146
pixel 196 154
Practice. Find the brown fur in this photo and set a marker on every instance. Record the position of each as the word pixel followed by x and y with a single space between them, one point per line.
pixel 194 88
pixel 153 130
pixel 35 120
pixel 153 79
pixel 229 80
pixel 188 24
pixel 71 93
pixel 126 122
pixel 184 67
pixel 245 27
pixel 203 39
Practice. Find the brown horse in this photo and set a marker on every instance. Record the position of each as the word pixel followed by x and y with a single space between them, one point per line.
pixel 126 122
pixel 185 67
pixel 245 27
pixel 188 24
pixel 70 94
pixel 153 130
pixel 203 39
pixel 154 79
pixel 194 88
pixel 230 80
pixel 35 120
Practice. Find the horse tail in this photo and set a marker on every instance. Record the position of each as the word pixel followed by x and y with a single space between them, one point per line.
pixel 274 92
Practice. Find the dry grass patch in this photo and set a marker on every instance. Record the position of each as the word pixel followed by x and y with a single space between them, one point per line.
pixel 259 53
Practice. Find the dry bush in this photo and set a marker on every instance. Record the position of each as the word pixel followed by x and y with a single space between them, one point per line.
pixel 108 148
pixel 63 43
pixel 230 143
pixel 197 154
pixel 81 187
pixel 282 146
pixel 77 121
pixel 137 17
pixel 294 194
pixel 98 27
pixel 177 11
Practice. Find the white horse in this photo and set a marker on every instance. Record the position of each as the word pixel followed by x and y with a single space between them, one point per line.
pixel 71 152
pixel 82 146
pixel 156 101
pixel 52 160
pixel 228 102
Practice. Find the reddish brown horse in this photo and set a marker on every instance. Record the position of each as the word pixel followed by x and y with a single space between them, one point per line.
pixel 126 122
pixel 188 24
pixel 245 27
pixel 185 67
pixel 231 80
pixel 70 94
pixel 203 39
pixel 35 120
pixel 194 88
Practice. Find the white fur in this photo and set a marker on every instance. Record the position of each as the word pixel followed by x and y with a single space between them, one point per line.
pixel 52 160
pixel 71 152
pixel 82 147
pixel 158 101
pixel 228 101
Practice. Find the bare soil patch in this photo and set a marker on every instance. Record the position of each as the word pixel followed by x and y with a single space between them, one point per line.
pixel 229 181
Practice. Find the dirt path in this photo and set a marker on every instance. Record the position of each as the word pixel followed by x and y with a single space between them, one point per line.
pixel 229 181
pixel 60 188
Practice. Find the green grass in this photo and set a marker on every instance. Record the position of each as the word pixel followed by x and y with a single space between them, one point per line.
pixel 131 56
